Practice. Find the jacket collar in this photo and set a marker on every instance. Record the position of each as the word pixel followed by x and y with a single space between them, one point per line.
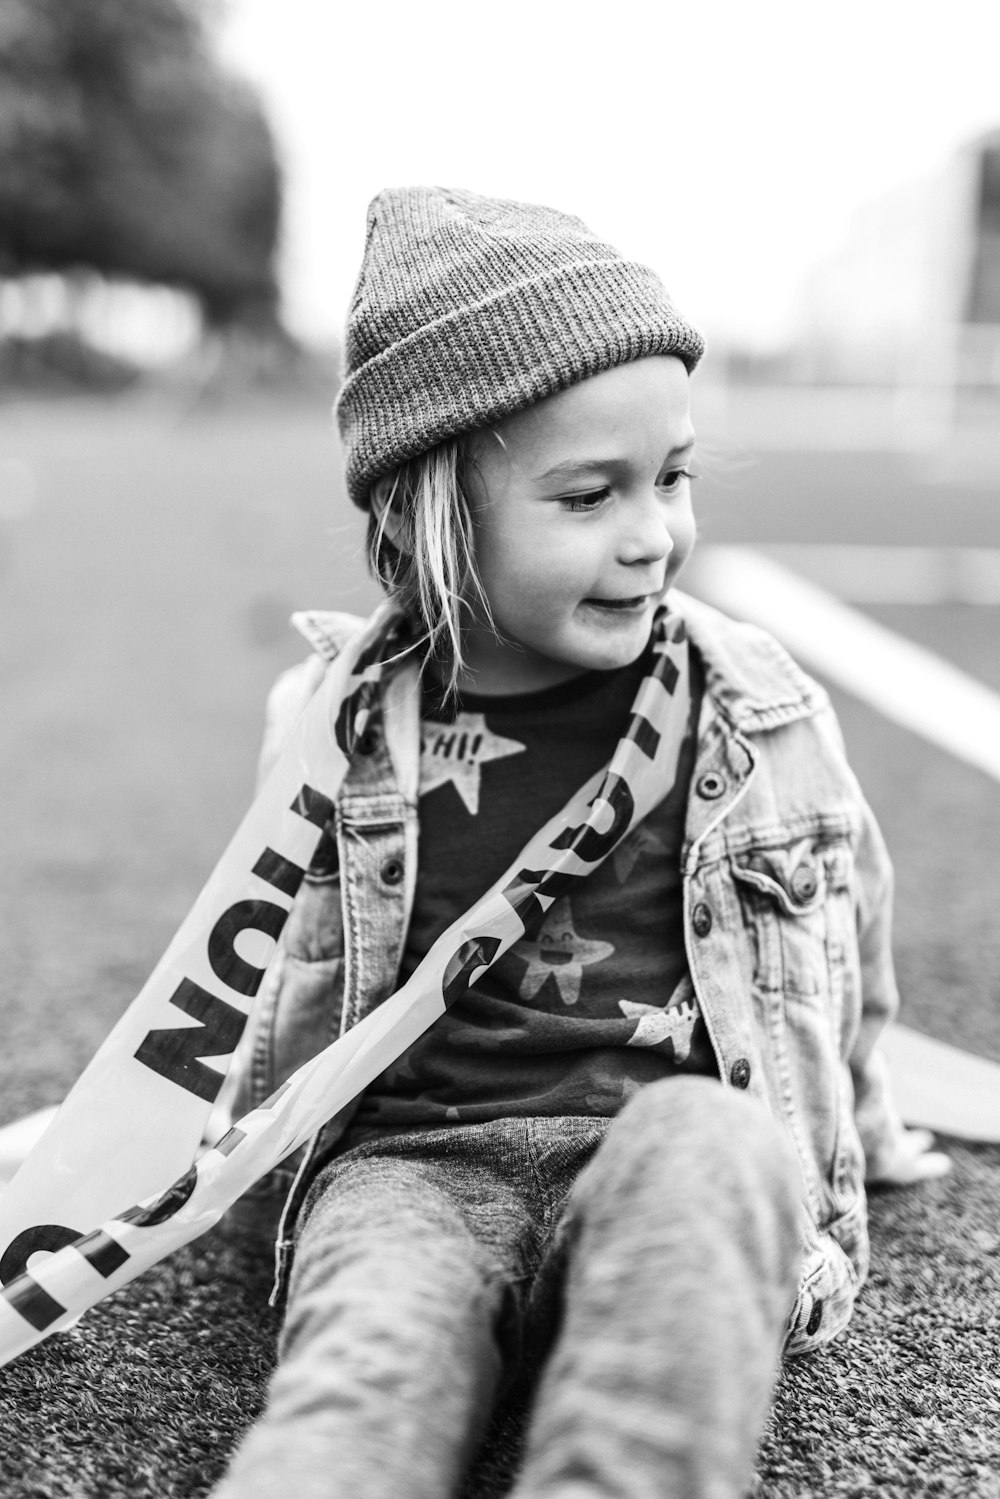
pixel 328 631
pixel 750 677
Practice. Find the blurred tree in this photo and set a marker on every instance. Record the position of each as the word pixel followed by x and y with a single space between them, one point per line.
pixel 124 149
pixel 42 130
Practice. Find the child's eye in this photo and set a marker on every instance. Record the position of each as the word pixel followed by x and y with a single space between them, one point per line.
pixel 589 501
pixel 674 477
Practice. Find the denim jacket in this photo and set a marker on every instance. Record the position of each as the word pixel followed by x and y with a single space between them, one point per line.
pixel 787 894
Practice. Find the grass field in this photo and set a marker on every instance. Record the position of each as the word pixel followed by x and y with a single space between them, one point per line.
pixel 149 556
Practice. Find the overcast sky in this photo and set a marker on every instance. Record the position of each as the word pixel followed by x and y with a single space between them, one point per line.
pixel 725 142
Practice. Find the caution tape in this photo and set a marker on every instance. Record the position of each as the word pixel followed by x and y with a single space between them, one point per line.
pixel 137 1114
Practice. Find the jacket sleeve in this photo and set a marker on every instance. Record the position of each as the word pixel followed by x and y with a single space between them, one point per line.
pixel 286 701
pixel 877 1118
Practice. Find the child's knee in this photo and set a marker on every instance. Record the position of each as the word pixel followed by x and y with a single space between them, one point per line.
pixel 682 1126
pixel 668 1113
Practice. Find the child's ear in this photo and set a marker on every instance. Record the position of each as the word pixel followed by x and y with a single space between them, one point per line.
pixel 386 510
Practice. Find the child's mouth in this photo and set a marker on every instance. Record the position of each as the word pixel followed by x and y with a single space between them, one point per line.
pixel 619 606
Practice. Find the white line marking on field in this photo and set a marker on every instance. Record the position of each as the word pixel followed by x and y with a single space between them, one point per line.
pixel 941 1087
pixel 862 574
pixel 902 680
pixel 18 1138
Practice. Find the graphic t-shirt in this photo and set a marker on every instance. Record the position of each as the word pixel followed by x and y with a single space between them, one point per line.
pixel 600 1001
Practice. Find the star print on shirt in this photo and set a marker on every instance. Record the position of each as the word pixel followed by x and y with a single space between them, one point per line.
pixel 672 1022
pixel 560 954
pixel 456 752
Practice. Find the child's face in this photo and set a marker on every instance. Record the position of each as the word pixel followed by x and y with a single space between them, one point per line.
pixel 582 517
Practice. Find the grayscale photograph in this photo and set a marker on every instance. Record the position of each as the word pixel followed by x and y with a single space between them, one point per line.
pixel 500 750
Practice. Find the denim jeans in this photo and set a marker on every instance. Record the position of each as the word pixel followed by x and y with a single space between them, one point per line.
pixel 644 1264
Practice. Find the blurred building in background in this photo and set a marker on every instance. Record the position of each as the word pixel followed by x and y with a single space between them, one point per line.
pixel 896 345
pixel 912 295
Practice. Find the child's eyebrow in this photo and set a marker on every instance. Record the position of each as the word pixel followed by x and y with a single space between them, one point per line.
pixel 581 468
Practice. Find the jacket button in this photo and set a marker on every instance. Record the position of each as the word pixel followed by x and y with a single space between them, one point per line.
pixel 739 1073
pixel 804 882
pixel 392 871
pixel 815 1318
pixel 701 919
pixel 711 785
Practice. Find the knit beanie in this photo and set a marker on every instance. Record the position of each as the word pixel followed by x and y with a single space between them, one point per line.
pixel 468 309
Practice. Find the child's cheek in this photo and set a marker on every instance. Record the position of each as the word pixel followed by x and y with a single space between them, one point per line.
pixel 684 535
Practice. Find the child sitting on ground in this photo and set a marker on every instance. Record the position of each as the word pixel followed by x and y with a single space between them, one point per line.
pixel 629 1159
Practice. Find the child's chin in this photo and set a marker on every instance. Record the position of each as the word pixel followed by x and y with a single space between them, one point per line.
pixel 612 654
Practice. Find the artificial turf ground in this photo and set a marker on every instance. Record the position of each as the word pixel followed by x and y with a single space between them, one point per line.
pixel 144 589
pixel 145 1398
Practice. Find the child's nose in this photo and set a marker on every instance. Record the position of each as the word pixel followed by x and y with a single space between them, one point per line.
pixel 645 536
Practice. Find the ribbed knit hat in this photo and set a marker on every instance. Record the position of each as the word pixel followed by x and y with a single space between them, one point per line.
pixel 468 309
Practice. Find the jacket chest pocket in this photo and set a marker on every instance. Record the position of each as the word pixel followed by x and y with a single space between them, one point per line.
pixel 797 905
pixel 314 932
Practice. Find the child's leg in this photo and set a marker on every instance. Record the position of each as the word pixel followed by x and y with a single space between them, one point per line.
pixel 681 1237
pixel 389 1359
